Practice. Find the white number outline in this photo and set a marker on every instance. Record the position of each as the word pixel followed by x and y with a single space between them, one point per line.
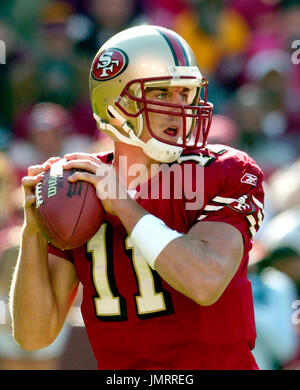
pixel 151 299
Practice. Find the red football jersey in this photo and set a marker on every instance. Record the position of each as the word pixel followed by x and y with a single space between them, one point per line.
pixel 133 318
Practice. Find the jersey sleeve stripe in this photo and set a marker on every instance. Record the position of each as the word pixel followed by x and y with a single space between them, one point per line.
pixel 201 217
pixel 252 223
pixel 260 218
pixel 221 199
pixel 258 203
pixel 212 208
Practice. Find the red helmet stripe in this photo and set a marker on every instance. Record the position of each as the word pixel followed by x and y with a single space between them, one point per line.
pixel 177 49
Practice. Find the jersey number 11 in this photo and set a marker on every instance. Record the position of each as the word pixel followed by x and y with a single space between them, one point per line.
pixel 150 301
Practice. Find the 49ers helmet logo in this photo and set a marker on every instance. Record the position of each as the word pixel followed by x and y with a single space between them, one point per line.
pixel 109 64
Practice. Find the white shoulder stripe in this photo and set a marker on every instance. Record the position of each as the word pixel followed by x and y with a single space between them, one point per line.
pixel 221 199
pixel 212 208
pixel 200 159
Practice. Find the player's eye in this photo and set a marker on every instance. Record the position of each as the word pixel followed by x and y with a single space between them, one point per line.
pixel 162 95
pixel 184 97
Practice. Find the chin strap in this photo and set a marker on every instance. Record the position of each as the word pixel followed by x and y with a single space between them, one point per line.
pixel 153 148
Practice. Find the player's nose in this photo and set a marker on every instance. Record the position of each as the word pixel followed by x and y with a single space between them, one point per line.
pixel 176 98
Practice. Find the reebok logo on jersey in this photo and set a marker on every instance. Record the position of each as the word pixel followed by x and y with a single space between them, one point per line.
pixel 248 178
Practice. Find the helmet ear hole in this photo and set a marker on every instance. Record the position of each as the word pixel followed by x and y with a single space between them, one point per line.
pixel 110 114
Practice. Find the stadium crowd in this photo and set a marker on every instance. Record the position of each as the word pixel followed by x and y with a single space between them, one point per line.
pixel 250 52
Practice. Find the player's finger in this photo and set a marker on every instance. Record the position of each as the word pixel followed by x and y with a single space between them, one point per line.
pixel 29 200
pixel 84 176
pixel 52 160
pixel 34 170
pixel 81 156
pixel 29 183
pixel 87 165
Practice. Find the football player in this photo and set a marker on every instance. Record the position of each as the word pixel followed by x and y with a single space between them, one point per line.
pixel 164 279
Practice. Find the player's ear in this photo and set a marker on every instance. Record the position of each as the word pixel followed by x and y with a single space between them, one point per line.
pixel 117 124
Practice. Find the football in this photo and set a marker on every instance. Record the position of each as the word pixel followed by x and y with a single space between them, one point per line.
pixel 69 214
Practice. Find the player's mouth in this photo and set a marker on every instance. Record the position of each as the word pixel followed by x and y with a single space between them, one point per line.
pixel 172 131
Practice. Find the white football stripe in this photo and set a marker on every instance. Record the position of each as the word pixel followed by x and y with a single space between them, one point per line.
pixel 56 169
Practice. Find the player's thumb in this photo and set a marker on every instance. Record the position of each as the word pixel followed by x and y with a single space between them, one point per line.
pixel 29 201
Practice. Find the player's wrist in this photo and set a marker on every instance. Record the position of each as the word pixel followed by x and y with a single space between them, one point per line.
pixel 32 236
pixel 30 226
pixel 115 206
pixel 161 235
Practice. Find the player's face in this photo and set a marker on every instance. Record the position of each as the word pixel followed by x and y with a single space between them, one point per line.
pixel 168 127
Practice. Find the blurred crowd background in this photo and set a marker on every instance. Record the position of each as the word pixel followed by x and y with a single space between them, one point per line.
pixel 248 51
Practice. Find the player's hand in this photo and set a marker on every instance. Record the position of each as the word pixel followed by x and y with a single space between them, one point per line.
pixel 29 182
pixel 101 175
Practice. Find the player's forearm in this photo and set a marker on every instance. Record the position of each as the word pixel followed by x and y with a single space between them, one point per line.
pixel 32 300
pixel 189 265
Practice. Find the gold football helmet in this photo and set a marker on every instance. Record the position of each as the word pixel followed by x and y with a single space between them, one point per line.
pixel 148 57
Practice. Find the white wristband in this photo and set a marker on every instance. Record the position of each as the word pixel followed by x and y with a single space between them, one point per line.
pixel 151 235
